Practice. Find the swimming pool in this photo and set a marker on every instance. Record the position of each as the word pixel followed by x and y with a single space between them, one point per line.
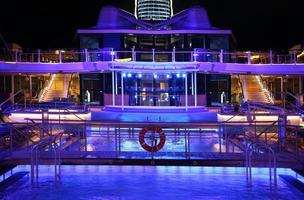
pixel 151 182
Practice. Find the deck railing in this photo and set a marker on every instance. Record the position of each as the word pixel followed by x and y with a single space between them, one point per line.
pixel 152 55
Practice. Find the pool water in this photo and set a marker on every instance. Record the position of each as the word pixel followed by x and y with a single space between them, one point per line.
pixel 151 182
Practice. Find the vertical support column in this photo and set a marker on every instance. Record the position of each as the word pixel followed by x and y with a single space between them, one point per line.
pixel 173 55
pixel 31 88
pixel 153 55
pixel 186 92
pixel 294 57
pixel 282 88
pixel 113 88
pixel 122 92
pixel 60 56
pixel 86 55
pixel 133 54
pixel 65 86
pixel 192 83
pixel 195 55
pixel 270 57
pixel 222 56
pixel 39 56
pixel 300 91
pixel 245 87
pixel 116 80
pixel 13 89
pixel 195 89
pixel 249 57
pixel 16 55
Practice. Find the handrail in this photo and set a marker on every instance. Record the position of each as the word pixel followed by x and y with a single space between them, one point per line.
pixel 46 87
pixel 265 88
pixel 9 99
pixel 271 159
pixel 244 57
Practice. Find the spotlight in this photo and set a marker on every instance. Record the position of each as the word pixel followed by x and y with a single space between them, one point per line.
pixel 124 75
pixel 129 75
pixel 178 75
pixel 139 75
pixel 184 75
pixel 168 76
pixel 155 76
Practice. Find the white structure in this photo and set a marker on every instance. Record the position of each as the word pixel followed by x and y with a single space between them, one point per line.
pixel 157 10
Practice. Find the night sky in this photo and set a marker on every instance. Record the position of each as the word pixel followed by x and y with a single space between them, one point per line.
pixel 257 25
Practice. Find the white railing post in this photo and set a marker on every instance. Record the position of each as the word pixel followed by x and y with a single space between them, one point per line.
pixel 112 54
pixel 133 54
pixel 173 54
pixel 195 55
pixel 295 57
pixel 222 56
pixel 86 55
pixel 249 57
pixel 153 55
pixel 270 57
pixel 39 59
pixel 60 56
pixel 16 55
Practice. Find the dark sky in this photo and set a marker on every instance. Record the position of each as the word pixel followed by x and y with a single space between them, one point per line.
pixel 256 24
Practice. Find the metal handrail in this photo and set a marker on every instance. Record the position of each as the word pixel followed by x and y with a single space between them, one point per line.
pixel 10 98
pixel 271 160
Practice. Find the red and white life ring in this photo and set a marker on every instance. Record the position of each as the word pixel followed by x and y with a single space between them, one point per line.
pixel 159 144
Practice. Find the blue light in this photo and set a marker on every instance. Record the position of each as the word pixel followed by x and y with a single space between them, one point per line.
pixel 178 75
pixel 184 75
pixel 155 76
pixel 173 97
pixel 168 76
pixel 129 75
pixel 139 75
pixel 124 75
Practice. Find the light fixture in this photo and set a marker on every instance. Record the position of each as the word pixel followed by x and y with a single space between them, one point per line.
pixel 139 75
pixel 178 75
pixel 155 76
pixel 124 75
pixel 129 75
pixel 184 75
pixel 168 76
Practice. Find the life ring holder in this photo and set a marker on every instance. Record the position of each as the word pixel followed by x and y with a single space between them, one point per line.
pixel 156 147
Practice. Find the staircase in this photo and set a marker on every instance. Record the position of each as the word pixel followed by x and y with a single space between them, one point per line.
pixel 255 90
pixel 54 88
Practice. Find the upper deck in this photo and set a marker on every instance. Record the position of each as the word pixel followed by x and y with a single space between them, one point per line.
pixel 198 60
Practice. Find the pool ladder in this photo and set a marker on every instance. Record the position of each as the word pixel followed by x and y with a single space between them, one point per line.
pixel 272 163
pixel 56 150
